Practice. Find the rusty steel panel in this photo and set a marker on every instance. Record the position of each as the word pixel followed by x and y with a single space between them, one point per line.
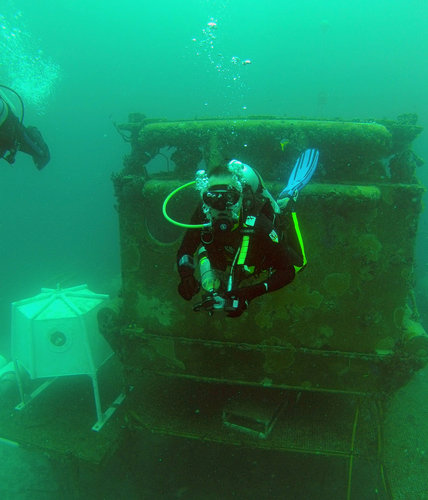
pixel 346 323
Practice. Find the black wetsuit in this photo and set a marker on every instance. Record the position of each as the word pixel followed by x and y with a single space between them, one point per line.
pixel 266 252
pixel 15 137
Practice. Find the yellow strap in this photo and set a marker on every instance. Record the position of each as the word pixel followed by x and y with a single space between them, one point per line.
pixel 300 240
pixel 243 250
pixel 249 222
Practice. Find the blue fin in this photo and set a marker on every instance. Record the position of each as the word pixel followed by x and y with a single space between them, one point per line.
pixel 301 174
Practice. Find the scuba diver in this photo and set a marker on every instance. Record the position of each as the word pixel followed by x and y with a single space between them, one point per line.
pixel 240 233
pixel 14 136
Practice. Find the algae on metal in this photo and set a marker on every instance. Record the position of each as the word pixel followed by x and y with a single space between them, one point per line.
pixel 341 325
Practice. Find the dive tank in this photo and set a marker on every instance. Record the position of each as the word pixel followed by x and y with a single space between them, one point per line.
pixel 209 279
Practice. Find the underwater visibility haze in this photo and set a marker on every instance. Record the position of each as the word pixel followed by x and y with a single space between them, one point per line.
pixel 82 67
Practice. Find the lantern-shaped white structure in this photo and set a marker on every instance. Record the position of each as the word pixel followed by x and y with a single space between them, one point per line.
pixel 55 333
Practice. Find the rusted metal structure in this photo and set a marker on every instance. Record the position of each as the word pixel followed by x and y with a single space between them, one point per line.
pixel 346 324
pixel 295 370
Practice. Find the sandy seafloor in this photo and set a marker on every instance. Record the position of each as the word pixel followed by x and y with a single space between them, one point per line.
pixel 155 467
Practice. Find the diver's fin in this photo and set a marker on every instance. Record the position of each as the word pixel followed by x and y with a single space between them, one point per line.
pixel 301 174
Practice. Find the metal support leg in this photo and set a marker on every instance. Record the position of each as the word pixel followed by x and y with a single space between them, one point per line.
pixel 103 417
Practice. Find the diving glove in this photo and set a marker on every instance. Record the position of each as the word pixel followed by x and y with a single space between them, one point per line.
pixel 238 306
pixel 241 297
pixel 188 286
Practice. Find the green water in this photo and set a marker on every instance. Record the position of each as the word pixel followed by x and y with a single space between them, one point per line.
pixel 80 66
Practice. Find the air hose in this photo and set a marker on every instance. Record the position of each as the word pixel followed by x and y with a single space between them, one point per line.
pixel 19 98
pixel 176 223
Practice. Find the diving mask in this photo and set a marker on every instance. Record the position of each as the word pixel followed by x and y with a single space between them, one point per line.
pixel 221 197
pixel 223 206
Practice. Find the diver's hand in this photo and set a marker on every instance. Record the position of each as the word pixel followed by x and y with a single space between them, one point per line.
pixel 188 287
pixel 239 303
pixel 243 296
